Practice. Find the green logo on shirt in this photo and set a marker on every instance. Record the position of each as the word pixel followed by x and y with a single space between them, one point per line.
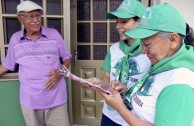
pixel 133 67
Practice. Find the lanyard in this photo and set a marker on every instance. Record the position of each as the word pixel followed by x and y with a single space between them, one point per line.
pixel 132 90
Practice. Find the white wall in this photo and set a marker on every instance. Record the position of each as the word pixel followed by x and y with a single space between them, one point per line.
pixel 185 7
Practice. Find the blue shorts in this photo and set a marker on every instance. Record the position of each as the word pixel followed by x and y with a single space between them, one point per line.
pixel 107 122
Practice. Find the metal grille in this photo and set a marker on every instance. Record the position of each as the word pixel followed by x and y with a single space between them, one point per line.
pixel 99 52
pixel 100 32
pixel 54 7
pixel 83 10
pixel 99 9
pixel 114 4
pixel 83 32
pixel 114 36
pixel 83 52
pixel 55 23
pixel 11 25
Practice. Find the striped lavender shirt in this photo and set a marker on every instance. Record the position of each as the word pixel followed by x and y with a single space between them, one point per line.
pixel 36 59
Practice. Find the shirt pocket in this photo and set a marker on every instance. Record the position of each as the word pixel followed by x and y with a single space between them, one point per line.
pixel 50 56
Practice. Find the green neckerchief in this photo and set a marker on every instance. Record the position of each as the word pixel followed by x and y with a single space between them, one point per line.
pixel 183 58
pixel 129 51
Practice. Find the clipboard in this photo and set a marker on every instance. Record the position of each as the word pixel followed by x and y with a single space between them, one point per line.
pixel 64 71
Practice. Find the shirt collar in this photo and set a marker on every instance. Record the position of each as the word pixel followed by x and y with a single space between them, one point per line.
pixel 43 33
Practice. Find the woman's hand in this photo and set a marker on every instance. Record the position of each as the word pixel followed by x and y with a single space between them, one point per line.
pixel 116 85
pixel 94 80
pixel 115 100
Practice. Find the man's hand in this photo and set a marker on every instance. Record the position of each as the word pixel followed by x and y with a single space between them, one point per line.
pixel 52 82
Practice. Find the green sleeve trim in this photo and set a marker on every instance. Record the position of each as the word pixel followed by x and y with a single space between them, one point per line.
pixel 106 66
pixel 175 106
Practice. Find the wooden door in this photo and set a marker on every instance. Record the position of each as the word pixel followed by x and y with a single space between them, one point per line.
pixel 91 36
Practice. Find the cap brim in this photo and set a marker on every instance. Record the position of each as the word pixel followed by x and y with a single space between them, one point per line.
pixel 29 10
pixel 118 14
pixel 140 33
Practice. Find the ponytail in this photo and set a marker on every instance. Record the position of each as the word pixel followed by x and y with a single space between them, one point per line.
pixel 189 38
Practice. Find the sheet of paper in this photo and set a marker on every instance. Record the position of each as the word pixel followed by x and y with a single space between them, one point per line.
pixel 96 87
pixel 103 87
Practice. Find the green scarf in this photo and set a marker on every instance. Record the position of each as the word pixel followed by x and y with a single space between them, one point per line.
pixel 184 57
pixel 129 51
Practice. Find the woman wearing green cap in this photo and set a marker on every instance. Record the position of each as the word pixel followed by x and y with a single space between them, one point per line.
pixel 165 95
pixel 124 61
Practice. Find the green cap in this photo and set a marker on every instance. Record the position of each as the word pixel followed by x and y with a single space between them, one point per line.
pixel 158 18
pixel 127 9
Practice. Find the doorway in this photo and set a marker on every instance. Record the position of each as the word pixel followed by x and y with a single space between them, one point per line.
pixel 91 36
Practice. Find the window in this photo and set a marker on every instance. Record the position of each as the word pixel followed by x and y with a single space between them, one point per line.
pixel 54 15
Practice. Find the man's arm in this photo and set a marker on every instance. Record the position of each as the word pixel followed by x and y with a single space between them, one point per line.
pixel 3 69
pixel 67 62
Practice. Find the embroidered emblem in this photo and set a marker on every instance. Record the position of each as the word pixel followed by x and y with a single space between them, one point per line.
pixel 125 5
pixel 147 16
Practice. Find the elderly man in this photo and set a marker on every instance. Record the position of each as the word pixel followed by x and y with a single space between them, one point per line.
pixel 165 95
pixel 38 51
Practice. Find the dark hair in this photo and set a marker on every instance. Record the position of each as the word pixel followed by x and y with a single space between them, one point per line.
pixel 136 18
pixel 189 38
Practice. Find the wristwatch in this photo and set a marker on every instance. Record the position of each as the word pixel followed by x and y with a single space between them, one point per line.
pixel 126 102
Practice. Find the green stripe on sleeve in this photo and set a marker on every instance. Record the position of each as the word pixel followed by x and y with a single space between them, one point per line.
pixel 175 106
pixel 106 66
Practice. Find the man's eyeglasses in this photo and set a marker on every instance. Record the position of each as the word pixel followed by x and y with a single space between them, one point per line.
pixel 146 47
pixel 31 16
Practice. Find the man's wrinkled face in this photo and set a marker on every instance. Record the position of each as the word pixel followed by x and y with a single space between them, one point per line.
pixel 31 20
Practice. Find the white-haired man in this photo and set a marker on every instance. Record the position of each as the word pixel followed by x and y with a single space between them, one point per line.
pixel 38 50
